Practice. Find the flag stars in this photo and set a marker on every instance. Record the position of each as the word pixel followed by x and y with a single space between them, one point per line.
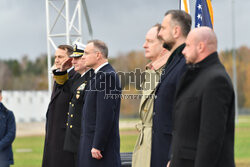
pixel 200 7
pixel 202 17
pixel 199 16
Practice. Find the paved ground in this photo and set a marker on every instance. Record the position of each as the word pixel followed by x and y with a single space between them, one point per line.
pixel 38 128
pixel 30 129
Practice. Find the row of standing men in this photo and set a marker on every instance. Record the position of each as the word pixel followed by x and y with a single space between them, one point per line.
pixel 189 122
pixel 79 112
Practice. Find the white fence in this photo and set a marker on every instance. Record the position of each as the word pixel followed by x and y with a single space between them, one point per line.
pixel 28 106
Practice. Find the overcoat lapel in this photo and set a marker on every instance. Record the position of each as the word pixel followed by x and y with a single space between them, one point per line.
pixel 145 97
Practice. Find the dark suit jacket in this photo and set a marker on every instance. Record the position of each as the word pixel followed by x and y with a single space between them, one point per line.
pixel 100 120
pixel 73 125
pixel 203 134
pixel 54 155
pixel 163 107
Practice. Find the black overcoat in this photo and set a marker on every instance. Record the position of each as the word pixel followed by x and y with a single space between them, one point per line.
pixel 56 118
pixel 203 134
pixel 163 107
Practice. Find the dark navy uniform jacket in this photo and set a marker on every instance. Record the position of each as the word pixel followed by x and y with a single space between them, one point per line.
pixel 73 125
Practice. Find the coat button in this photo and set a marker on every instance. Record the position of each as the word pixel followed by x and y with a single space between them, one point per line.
pixel 72 105
pixel 71 115
pixel 70 126
pixel 153 113
pixel 67 124
pixel 68 113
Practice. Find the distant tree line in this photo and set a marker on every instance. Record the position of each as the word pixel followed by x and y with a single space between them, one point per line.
pixel 26 74
pixel 243 72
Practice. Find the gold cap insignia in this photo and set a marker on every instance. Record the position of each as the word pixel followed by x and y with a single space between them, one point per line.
pixel 74 48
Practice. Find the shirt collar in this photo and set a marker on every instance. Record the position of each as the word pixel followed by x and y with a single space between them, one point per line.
pixel 85 72
pixel 68 70
pixel 161 61
pixel 98 68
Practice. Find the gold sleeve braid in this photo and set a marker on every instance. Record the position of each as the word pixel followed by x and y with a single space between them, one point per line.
pixel 61 79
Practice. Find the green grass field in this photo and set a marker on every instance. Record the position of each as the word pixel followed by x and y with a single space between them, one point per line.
pixel 28 151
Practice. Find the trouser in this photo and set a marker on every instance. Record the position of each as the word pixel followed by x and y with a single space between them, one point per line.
pixel 76 158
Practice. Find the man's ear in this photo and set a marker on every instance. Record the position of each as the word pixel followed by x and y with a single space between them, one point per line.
pixel 201 47
pixel 176 31
pixel 98 55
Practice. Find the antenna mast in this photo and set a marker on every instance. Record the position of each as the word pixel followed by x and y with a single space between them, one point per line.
pixel 64 26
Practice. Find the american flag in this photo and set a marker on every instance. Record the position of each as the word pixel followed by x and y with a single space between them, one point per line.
pixel 203 13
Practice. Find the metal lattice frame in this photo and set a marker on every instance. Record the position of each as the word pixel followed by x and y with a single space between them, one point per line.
pixel 67 15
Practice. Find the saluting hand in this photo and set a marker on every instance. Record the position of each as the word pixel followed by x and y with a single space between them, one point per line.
pixel 96 153
pixel 66 64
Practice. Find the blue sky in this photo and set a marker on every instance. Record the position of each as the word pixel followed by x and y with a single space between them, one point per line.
pixel 121 24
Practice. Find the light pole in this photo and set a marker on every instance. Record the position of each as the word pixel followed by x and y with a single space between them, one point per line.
pixel 234 62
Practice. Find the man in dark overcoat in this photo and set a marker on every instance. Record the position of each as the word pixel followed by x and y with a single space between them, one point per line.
pixel 100 140
pixel 56 116
pixel 174 29
pixel 203 134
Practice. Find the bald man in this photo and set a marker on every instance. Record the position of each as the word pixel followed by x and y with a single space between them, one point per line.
pixel 203 133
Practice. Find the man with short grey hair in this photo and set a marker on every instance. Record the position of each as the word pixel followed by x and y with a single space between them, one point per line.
pixel 100 140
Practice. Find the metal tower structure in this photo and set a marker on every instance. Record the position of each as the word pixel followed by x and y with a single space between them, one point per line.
pixel 64 25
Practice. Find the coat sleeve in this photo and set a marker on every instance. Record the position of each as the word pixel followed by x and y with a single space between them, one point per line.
pixel 11 131
pixel 183 69
pixel 215 109
pixel 107 103
pixel 60 77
